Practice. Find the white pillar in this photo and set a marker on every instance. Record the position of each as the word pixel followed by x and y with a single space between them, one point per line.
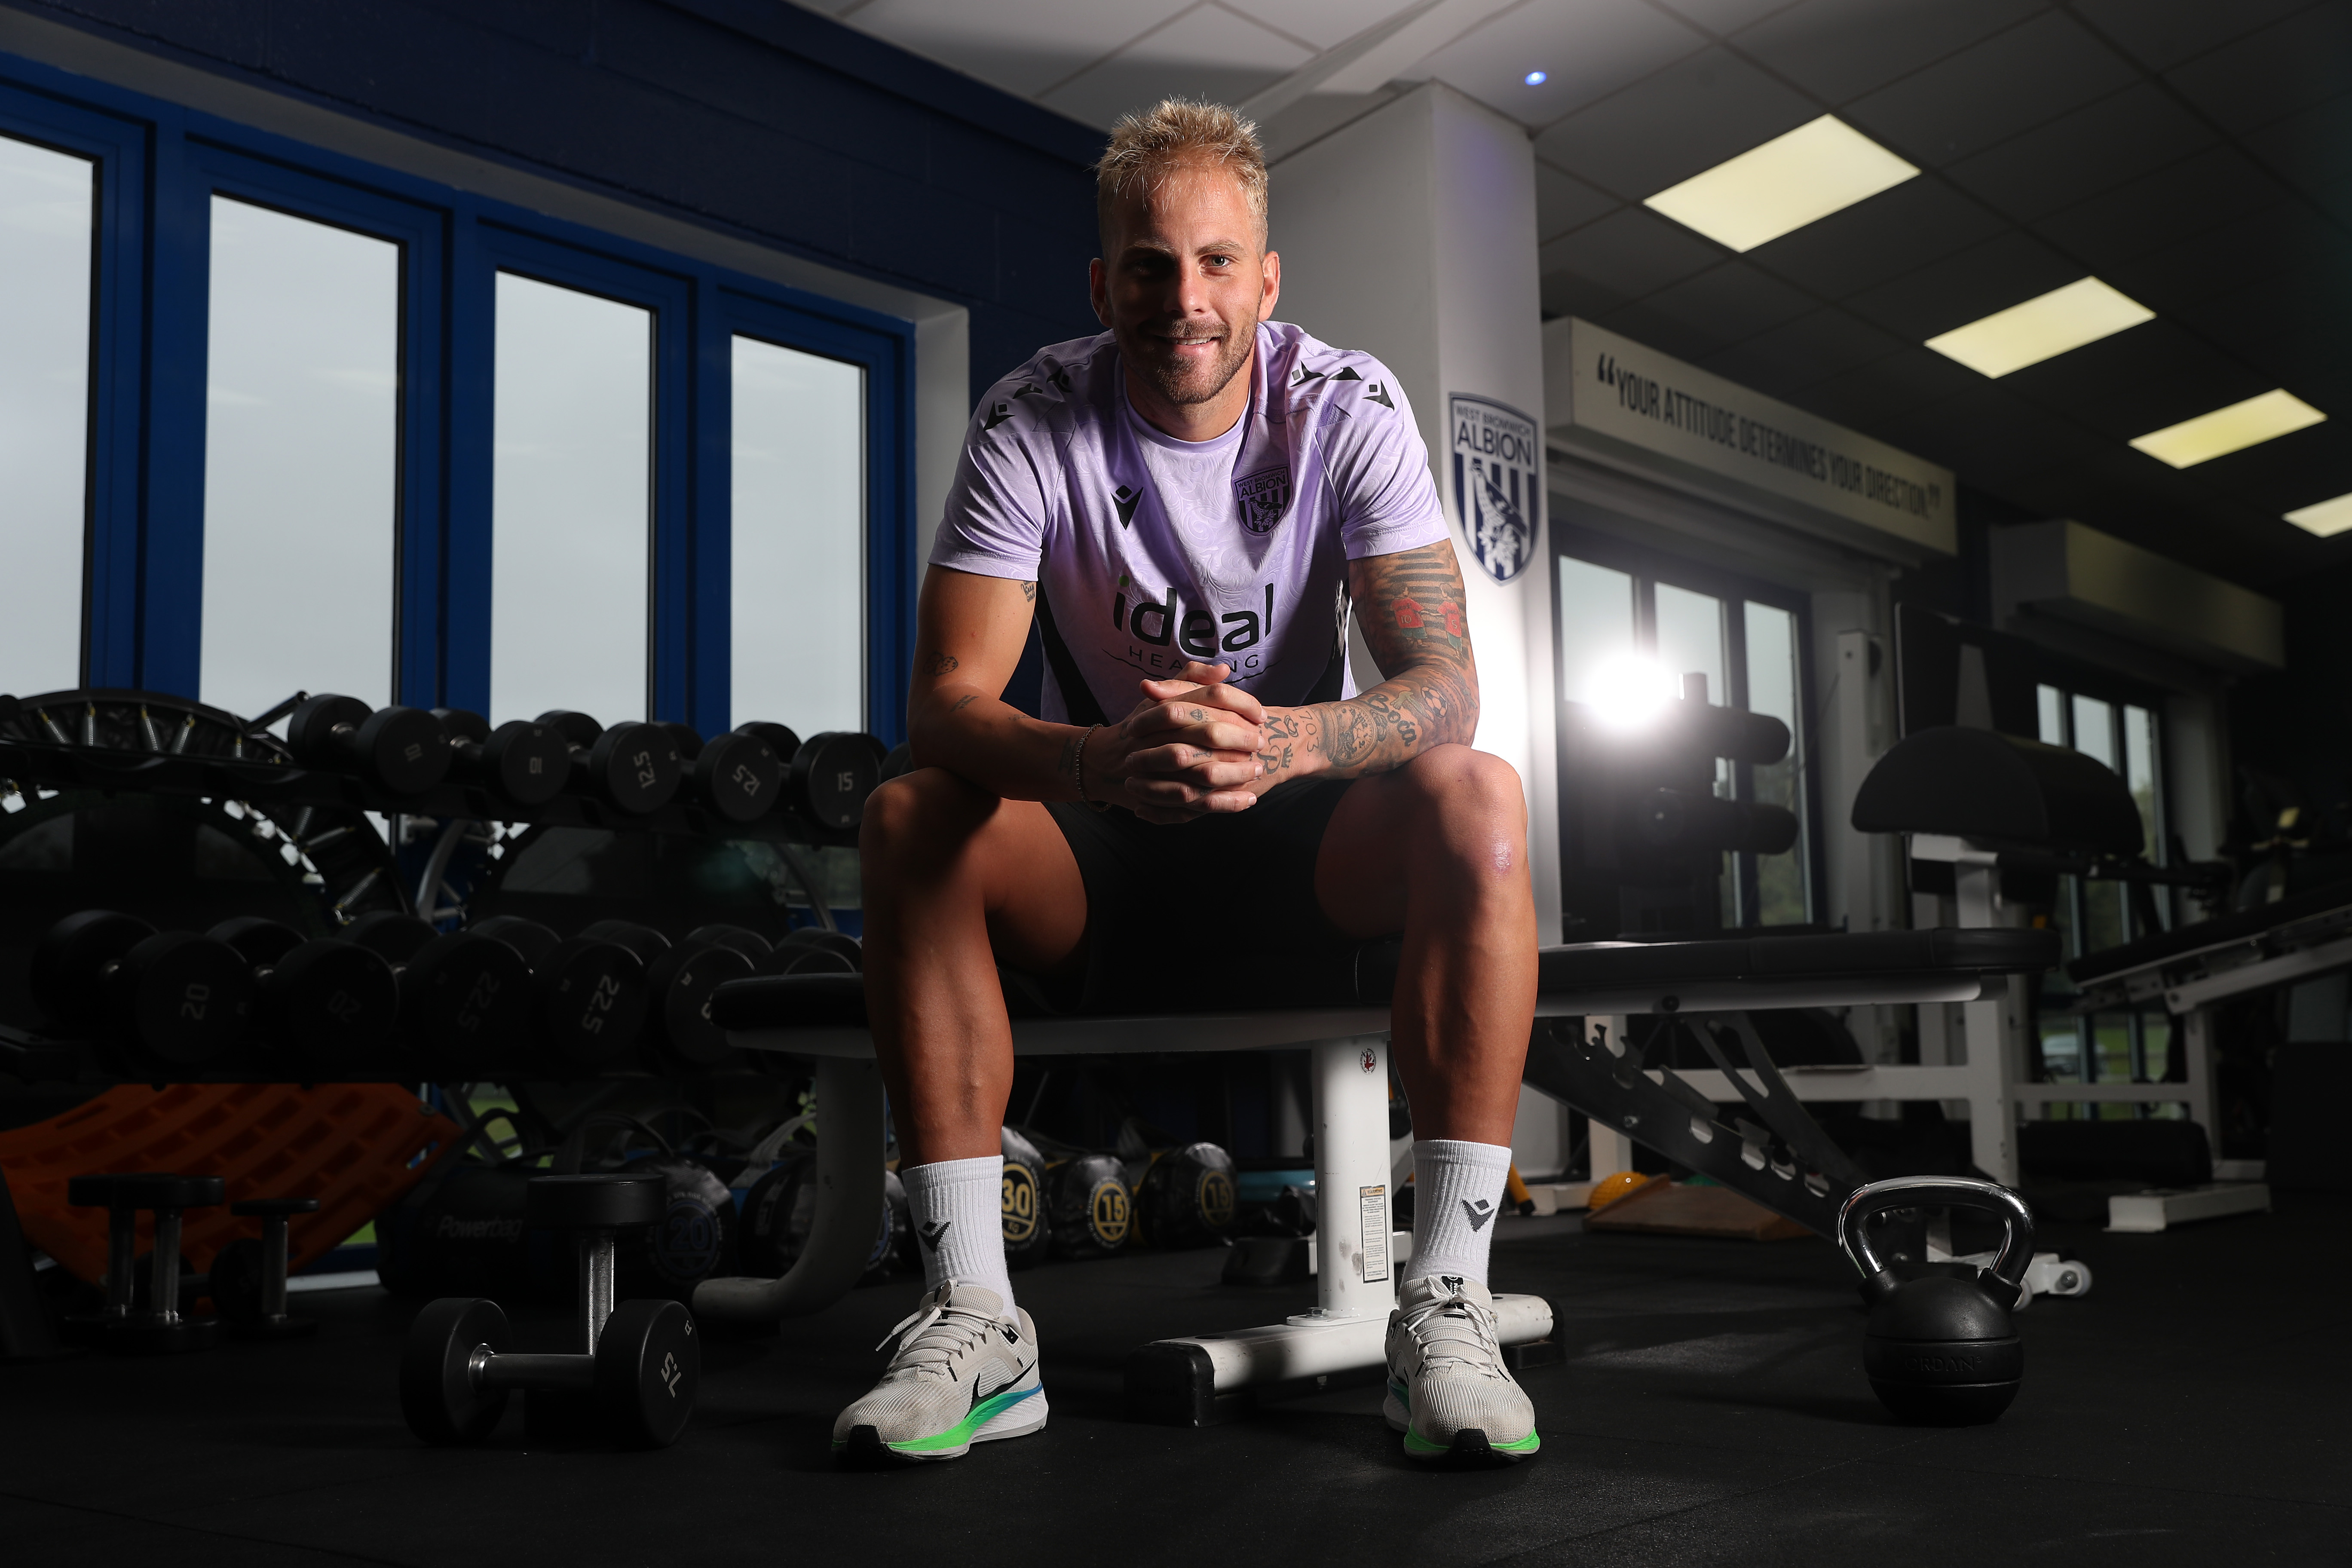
pixel 1354 1262
pixel 1411 235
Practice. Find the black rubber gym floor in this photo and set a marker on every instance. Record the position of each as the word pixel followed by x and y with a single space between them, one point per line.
pixel 2193 1408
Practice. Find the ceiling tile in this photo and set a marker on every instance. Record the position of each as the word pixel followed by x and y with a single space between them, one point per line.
pixel 1839 49
pixel 1724 17
pixel 2288 66
pixel 1315 116
pixel 2156 374
pixel 2201 191
pixel 1990 92
pixel 1563 202
pixel 1689 117
pixel 1864 396
pixel 2070 158
pixel 1567 294
pixel 1587 50
pixel 1210 53
pixel 1965 286
pixel 2313 149
pixel 1711 310
pixel 1323 24
pixel 1914 224
pixel 2160 33
pixel 1023 49
pixel 2221 260
pixel 1633 251
pixel 1796 353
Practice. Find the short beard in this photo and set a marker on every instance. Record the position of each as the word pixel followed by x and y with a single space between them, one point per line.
pixel 1185 389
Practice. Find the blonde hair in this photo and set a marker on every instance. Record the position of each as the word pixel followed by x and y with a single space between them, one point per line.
pixel 1145 147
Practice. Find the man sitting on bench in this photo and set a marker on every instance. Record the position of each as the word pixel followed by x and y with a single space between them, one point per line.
pixel 1208 816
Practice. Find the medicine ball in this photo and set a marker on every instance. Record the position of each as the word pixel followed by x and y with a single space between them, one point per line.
pixel 694 1240
pixel 1087 1208
pixel 780 1209
pixel 1187 1198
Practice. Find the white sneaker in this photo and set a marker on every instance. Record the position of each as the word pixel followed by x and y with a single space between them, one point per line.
pixel 1449 1392
pixel 963 1374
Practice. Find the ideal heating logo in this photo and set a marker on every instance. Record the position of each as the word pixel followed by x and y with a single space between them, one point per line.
pixel 1197 633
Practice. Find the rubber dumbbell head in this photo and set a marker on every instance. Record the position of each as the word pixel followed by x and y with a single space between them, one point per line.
pixel 741 939
pixel 464 999
pixel 900 761
pixel 684 736
pixel 579 731
pixel 391 936
pixel 324 1005
pixel 831 774
pixel 682 981
pixel 522 763
pixel 636 767
pixel 841 944
pixel 588 994
pixel 739 777
pixel 782 739
pixel 440 1393
pixel 179 998
pixel 648 1372
pixel 404 750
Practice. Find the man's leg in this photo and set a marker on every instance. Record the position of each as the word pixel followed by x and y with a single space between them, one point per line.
pixel 955 878
pixel 1437 850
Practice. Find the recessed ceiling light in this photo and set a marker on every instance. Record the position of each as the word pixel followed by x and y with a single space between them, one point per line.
pixel 1784 185
pixel 2226 430
pixel 1537 78
pixel 2042 328
pixel 2324 518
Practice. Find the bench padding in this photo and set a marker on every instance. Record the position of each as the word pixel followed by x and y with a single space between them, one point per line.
pixel 838 1001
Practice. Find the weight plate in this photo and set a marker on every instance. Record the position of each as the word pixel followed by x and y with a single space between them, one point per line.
pixel 437 1390
pixel 738 776
pixel 648 1370
pixel 525 763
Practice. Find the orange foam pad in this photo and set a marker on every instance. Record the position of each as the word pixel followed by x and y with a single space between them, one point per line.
pixel 355 1147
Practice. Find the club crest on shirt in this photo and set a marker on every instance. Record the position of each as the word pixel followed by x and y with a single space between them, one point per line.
pixel 1262 498
pixel 1497 464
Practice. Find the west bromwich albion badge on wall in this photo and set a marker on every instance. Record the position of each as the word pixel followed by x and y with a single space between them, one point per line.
pixel 1496 488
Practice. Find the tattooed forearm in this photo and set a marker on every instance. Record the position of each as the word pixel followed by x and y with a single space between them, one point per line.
pixel 1409 606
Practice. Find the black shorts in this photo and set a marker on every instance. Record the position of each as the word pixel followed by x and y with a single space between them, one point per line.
pixel 1216 912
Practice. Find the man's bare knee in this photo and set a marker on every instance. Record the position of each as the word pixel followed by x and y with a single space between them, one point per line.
pixel 920 818
pixel 1470 808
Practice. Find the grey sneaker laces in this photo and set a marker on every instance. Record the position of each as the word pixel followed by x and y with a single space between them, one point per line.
pixel 936 1334
pixel 1451 1330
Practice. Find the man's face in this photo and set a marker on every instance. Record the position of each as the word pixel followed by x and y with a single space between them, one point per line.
pixel 1186 282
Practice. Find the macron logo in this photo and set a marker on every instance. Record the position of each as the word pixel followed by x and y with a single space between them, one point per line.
pixel 1125 499
pixel 1478 1213
pixel 933 1232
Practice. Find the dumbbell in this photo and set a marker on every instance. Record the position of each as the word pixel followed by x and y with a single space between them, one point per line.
pixel 738 776
pixel 679 980
pixel 174 996
pixel 323 1004
pixel 402 750
pixel 158 1329
pixel 900 760
pixel 634 766
pixel 249 1276
pixel 464 998
pixel 809 950
pixel 831 774
pixel 637 1370
pixel 588 996
pixel 521 762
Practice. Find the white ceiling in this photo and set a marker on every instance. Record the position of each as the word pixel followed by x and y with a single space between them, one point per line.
pixel 2196 155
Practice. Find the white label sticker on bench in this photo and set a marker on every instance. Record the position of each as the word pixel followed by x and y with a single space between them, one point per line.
pixel 1375 1233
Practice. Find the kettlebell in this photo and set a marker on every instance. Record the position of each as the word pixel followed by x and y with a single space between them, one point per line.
pixel 1940 1347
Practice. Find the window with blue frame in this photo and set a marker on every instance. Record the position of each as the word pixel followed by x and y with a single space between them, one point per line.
pixel 270 416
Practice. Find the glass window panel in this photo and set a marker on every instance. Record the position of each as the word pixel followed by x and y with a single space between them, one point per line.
pixel 2156 1045
pixel 301 459
pixel 2139 773
pixel 570 503
pixel 2094 730
pixel 45 325
pixel 799 539
pixel 2052 703
pixel 2104 922
pixel 1771 638
pixel 1596 623
pixel 1690 638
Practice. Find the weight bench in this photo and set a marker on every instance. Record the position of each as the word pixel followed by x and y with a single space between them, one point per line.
pixel 1190 1381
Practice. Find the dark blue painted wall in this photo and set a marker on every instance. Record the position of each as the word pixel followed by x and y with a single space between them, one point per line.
pixel 750 116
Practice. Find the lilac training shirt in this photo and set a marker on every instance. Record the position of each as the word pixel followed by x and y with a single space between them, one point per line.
pixel 1149 550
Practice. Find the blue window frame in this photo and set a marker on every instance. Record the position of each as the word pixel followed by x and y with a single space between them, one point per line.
pixel 145 498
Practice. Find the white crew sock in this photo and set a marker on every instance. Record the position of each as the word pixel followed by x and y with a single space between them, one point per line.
pixel 957 1206
pixel 1457 1192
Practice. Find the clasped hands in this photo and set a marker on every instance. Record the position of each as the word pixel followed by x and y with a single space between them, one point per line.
pixel 1189 748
